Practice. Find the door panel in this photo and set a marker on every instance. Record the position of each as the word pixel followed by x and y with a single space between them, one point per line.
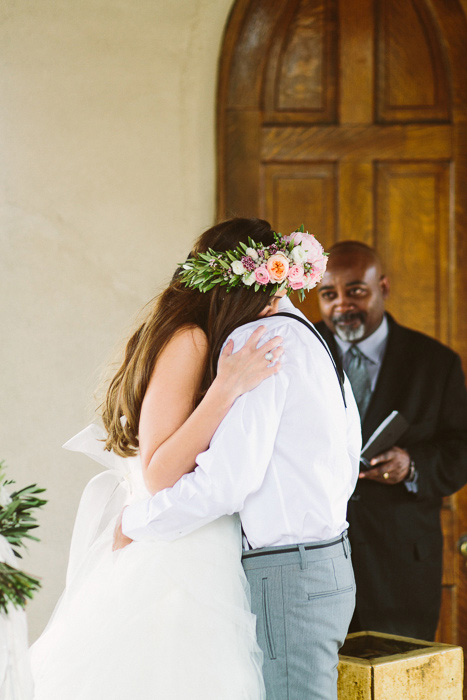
pixel 412 83
pixel 297 194
pixel 414 197
pixel 294 195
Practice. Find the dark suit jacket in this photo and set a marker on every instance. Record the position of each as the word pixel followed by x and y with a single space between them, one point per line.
pixel 396 535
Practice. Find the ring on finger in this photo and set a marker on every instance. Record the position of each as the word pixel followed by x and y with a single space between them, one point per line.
pixel 386 475
pixel 269 356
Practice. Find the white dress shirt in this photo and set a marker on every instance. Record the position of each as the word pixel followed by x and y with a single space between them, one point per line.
pixel 285 457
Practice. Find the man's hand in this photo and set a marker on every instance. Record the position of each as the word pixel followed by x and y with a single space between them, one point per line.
pixel 390 467
pixel 120 540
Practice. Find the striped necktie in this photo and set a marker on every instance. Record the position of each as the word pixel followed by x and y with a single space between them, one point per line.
pixel 357 373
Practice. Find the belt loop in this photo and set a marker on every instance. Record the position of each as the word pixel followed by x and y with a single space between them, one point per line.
pixel 303 561
pixel 345 546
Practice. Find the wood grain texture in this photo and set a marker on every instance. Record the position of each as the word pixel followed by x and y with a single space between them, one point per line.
pixel 356 194
pixel 293 196
pixel 448 631
pixel 356 36
pixel 300 78
pixel 413 238
pixel 242 156
pixel 296 195
pixel 250 51
pixel 449 523
pixel 306 143
pixel 411 81
pixel 308 65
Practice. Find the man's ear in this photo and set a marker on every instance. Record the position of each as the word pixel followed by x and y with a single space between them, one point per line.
pixel 384 286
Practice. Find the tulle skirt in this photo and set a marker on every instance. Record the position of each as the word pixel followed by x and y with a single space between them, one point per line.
pixel 154 621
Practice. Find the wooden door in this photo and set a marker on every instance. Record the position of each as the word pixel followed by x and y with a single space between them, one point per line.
pixel 350 116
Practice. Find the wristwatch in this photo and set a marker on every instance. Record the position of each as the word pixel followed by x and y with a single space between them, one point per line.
pixel 411 473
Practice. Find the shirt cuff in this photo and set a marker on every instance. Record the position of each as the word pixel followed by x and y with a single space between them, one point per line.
pixel 412 486
pixel 135 521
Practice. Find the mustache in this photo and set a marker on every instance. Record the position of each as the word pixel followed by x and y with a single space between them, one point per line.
pixel 349 316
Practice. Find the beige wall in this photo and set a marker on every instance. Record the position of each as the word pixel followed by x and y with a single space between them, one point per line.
pixel 107 174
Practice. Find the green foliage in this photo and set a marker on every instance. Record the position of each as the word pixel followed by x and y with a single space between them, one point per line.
pixel 16 587
pixel 16 522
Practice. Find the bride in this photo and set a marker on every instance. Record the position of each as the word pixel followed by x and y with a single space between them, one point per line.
pixel 163 620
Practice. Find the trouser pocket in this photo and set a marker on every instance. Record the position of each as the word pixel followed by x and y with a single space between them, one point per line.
pixel 267 620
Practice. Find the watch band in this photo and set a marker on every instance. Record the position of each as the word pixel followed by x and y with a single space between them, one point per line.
pixel 411 473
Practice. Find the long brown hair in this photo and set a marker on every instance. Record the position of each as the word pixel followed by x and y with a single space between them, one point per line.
pixel 216 312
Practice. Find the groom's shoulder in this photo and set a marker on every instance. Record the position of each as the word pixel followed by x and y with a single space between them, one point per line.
pixel 288 328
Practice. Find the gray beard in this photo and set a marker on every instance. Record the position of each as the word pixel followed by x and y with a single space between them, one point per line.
pixel 350 335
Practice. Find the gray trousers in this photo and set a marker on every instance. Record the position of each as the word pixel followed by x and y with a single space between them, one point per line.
pixel 304 598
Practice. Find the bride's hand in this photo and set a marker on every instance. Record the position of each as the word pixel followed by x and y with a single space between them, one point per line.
pixel 242 371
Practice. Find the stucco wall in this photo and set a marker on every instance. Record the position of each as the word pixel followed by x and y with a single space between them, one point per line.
pixel 107 174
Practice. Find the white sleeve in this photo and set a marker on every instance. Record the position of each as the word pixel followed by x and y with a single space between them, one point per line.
pixel 233 467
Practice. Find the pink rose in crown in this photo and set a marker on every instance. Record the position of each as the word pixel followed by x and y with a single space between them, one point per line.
pixel 296 237
pixel 278 267
pixel 262 275
pixel 312 278
pixel 297 285
pixel 309 281
pixel 296 273
pixel 319 265
pixel 313 247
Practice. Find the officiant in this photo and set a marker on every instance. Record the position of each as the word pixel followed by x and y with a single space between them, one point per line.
pixel 394 513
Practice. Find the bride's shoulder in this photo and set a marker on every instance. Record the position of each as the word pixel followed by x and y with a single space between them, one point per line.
pixel 190 337
pixel 181 362
pixel 188 344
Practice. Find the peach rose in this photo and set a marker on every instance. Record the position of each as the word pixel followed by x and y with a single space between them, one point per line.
pixel 278 267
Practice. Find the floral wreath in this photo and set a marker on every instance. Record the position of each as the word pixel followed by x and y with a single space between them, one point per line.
pixel 293 263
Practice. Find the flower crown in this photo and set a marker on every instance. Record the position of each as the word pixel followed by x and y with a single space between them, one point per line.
pixel 293 263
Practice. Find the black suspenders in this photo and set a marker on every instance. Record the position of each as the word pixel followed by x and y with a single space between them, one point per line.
pixel 340 374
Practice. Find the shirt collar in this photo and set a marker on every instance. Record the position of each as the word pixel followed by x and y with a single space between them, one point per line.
pixel 285 304
pixel 372 347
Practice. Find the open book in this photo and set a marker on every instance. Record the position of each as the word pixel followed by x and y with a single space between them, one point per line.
pixel 383 438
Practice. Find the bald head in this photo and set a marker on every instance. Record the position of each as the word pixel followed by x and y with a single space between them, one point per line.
pixel 353 291
pixel 342 252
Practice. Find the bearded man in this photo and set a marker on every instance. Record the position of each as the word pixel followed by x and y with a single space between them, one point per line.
pixel 394 513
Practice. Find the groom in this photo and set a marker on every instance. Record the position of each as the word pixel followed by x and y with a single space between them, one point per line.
pixel 286 458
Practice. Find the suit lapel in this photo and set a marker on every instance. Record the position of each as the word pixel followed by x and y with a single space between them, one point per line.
pixel 391 380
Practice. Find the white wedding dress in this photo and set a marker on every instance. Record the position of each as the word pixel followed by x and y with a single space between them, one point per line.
pixel 155 620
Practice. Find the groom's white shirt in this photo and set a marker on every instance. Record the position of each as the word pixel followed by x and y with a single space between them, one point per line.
pixel 286 457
